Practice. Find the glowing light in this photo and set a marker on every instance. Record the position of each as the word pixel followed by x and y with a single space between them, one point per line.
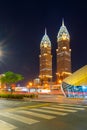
pixel 84 87
pixel 45 54
pixel 30 83
pixel 59 81
pixel 64 48
pixel 64 37
pixel 45 45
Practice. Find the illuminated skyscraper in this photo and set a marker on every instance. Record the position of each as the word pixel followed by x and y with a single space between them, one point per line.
pixel 45 60
pixel 63 53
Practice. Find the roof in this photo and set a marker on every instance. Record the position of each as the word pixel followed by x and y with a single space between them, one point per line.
pixel 45 40
pixel 63 31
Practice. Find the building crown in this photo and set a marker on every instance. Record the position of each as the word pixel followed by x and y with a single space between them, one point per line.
pixel 45 40
pixel 63 33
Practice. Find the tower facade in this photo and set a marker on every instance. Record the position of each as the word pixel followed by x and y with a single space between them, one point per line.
pixel 63 53
pixel 45 60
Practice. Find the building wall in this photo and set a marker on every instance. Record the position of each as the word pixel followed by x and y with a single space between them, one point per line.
pixel 63 54
pixel 45 59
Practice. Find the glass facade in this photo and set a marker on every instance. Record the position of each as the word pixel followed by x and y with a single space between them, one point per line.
pixel 74 91
pixel 76 84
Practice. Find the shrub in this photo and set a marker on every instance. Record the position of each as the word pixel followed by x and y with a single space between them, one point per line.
pixel 18 96
pixel 12 96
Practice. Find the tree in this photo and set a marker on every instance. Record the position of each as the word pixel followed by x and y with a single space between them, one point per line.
pixel 9 78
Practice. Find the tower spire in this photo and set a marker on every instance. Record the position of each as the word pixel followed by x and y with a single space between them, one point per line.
pixel 63 31
pixel 45 31
pixel 62 21
pixel 45 39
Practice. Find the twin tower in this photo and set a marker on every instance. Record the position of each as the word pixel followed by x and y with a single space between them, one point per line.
pixel 63 58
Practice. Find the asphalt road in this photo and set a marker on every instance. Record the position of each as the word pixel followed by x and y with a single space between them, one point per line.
pixel 26 115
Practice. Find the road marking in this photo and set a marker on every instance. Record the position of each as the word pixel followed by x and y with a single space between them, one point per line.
pixel 6 126
pixel 45 116
pixel 51 112
pixel 59 109
pixel 25 107
pixel 69 107
pixel 72 105
pixel 20 118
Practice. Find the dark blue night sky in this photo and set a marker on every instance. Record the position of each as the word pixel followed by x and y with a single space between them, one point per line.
pixel 22 25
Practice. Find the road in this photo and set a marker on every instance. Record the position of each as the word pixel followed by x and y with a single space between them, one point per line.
pixel 59 99
pixel 25 115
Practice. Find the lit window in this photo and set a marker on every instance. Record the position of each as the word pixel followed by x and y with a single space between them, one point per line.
pixel 64 48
